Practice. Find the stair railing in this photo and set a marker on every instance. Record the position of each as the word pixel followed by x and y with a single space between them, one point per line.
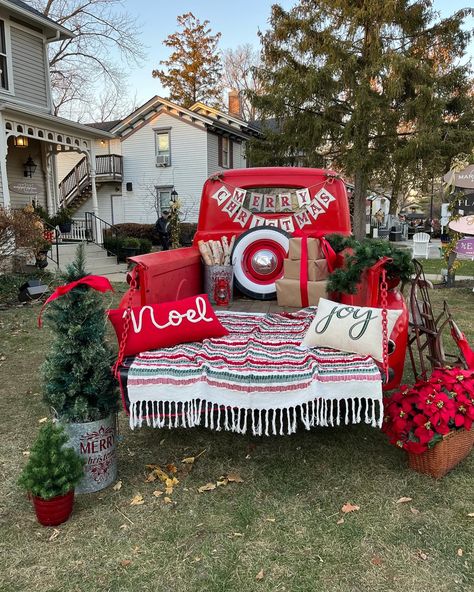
pixel 102 233
pixel 52 234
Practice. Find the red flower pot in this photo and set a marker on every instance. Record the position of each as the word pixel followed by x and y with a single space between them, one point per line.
pixel 55 510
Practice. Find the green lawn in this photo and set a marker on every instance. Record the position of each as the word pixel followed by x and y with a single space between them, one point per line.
pixel 285 518
pixel 436 265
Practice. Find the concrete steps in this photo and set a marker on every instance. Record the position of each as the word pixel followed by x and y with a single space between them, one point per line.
pixel 97 261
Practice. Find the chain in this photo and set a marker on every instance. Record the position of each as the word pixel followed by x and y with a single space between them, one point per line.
pixel 383 291
pixel 126 324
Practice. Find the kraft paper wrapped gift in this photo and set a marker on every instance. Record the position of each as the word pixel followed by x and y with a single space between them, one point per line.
pixel 289 294
pixel 317 270
pixel 314 249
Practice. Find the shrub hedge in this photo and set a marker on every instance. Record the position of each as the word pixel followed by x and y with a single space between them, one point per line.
pixel 147 231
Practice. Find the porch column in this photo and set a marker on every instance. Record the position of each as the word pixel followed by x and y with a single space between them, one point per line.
pixel 3 165
pixel 95 201
pixel 46 158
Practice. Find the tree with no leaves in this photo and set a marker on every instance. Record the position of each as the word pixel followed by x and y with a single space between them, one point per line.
pixel 193 70
pixel 84 65
pixel 239 74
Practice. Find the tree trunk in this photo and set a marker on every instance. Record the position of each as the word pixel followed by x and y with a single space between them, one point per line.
pixel 360 197
pixel 395 191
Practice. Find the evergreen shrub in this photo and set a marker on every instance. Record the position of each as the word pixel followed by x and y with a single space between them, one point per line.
pixel 52 469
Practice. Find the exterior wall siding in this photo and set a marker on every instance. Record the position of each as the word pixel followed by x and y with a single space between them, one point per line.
pixel 238 155
pixel 29 69
pixel 15 172
pixel 187 172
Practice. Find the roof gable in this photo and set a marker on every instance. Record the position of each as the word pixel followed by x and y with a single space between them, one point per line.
pixel 157 104
pixel 52 30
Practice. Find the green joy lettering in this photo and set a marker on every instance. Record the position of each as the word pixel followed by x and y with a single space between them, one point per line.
pixel 366 317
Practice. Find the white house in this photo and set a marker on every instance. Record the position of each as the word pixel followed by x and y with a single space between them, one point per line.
pixel 159 148
pixel 32 136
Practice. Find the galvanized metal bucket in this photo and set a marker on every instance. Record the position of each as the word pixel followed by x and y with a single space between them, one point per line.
pixel 95 441
pixel 217 279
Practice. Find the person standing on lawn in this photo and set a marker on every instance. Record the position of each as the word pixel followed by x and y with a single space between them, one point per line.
pixel 162 229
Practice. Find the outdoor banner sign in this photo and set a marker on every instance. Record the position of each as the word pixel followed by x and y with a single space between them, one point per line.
pixel 465 247
pixel 309 208
pixel 464 225
pixel 463 179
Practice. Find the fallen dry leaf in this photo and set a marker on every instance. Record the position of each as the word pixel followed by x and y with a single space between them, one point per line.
pixel 222 482
pixel 169 490
pixel 207 487
pixel 376 560
pixel 422 555
pixel 471 514
pixel 346 508
pixel 156 473
pixel 340 521
pixel 238 534
pixel 54 535
pixel 162 441
pixel 26 453
pixel 190 460
pixel 171 468
pixel 460 552
pixel 404 500
pixel 270 519
pixel 234 478
pixel 137 500
pixel 157 493
pixel 171 482
pixel 123 526
pixel 414 511
pixel 260 575
pixel 167 500
pixel 125 562
pixel 42 420
pixel 117 486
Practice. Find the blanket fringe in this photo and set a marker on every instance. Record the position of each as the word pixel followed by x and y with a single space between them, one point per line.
pixel 268 422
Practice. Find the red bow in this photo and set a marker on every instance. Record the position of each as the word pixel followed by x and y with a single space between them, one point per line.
pixel 328 251
pixel 97 282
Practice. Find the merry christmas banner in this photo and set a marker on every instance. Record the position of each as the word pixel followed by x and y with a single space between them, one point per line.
pixel 244 207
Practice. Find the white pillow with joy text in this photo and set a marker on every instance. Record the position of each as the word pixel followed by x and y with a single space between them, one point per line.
pixel 355 329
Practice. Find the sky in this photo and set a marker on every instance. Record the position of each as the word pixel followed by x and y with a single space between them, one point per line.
pixel 238 21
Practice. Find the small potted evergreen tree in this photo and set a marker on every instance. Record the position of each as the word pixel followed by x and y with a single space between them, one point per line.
pixel 78 383
pixel 51 474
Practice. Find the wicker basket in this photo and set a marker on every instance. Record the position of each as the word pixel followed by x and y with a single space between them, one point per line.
pixel 445 455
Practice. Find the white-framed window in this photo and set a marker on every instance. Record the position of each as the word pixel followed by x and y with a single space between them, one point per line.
pixel 3 58
pixel 163 147
pixel 225 152
pixel 225 155
pixel 163 198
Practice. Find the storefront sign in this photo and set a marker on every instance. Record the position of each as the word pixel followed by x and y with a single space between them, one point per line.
pixel 465 247
pixel 463 179
pixel 24 188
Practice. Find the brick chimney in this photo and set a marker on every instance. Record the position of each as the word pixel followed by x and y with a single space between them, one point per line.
pixel 234 103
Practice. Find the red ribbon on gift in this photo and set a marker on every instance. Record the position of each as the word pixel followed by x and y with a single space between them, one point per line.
pixel 329 254
pixel 96 282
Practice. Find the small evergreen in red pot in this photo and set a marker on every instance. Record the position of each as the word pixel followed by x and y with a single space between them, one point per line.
pixel 418 417
pixel 51 474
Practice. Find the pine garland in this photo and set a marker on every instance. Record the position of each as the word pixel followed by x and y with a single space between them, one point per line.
pixel 52 469
pixel 77 381
pixel 364 254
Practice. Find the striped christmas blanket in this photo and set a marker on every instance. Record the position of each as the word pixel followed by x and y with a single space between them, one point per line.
pixel 257 378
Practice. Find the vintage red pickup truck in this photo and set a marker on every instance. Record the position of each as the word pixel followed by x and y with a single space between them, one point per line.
pixel 263 208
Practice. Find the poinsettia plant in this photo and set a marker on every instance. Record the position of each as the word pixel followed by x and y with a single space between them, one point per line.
pixel 418 417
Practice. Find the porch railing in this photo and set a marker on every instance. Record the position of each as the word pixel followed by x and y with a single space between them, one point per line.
pixel 78 231
pixel 104 234
pixel 108 167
